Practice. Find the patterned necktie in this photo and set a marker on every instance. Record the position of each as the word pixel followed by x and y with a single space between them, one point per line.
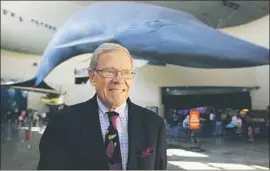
pixel 112 143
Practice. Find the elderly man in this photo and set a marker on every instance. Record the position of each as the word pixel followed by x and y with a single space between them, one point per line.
pixel 107 132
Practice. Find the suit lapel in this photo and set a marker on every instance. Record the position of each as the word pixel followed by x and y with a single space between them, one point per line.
pixel 92 135
pixel 91 131
pixel 135 135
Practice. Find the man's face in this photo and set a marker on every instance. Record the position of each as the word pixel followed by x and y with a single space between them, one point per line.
pixel 112 91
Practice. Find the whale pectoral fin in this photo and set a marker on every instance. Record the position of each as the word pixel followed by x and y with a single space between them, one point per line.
pixel 92 39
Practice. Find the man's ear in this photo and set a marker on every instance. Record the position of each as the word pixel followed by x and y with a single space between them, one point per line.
pixel 92 76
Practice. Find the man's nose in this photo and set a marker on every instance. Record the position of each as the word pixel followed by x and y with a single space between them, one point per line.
pixel 118 77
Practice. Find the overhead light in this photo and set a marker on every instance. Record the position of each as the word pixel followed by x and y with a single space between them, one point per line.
pixel 5 11
pixel 12 14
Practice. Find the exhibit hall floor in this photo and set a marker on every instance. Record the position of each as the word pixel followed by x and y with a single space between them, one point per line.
pixel 18 153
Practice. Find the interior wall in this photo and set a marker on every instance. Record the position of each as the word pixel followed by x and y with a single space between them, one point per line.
pixel 148 80
pixel 256 32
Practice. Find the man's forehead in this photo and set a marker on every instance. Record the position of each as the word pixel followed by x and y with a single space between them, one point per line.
pixel 114 58
pixel 116 53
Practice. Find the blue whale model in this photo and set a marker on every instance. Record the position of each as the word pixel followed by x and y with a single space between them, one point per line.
pixel 152 33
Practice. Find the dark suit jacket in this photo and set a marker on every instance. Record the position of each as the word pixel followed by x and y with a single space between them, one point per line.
pixel 73 139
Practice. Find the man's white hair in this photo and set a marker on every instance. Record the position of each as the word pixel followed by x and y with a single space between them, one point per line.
pixel 105 48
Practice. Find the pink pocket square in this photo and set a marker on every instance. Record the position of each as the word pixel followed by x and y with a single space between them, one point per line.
pixel 148 152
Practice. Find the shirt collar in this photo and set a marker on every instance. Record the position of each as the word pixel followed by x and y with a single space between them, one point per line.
pixel 121 109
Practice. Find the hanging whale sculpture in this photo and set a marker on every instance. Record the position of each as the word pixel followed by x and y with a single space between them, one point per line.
pixel 155 34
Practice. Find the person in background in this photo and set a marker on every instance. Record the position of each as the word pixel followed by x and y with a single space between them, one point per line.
pixel 43 119
pixel 212 122
pixel 15 115
pixel 267 122
pixel 21 118
pixel 9 116
pixel 174 118
pixel 250 134
pixel 225 120
pixel 248 126
pixel 239 125
pixel 186 125
pixel 35 118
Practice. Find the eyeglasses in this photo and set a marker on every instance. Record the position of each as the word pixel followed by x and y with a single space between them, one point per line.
pixel 111 73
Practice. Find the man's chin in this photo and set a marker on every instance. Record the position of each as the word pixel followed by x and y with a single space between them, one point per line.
pixel 116 104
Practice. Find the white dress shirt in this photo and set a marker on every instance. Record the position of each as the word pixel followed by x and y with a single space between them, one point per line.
pixel 122 127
